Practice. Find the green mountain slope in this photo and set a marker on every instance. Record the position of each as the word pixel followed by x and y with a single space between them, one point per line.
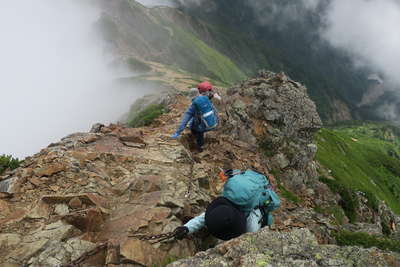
pixel 364 158
pixel 167 36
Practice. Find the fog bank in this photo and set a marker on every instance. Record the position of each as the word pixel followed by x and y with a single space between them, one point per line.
pixel 54 77
pixel 369 30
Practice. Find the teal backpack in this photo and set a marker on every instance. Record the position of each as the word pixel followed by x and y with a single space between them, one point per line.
pixel 250 190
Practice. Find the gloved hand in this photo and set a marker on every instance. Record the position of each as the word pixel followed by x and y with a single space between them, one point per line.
pixel 217 96
pixel 181 232
pixel 175 135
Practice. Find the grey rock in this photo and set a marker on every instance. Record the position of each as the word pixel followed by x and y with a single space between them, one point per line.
pixel 296 248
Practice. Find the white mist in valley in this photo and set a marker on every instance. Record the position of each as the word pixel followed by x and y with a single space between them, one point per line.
pixel 54 77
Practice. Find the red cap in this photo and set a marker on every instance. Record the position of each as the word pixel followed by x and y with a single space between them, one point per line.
pixel 204 87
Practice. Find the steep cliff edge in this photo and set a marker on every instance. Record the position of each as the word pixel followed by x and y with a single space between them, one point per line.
pixel 84 199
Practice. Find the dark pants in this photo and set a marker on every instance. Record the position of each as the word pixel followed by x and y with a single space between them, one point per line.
pixel 199 138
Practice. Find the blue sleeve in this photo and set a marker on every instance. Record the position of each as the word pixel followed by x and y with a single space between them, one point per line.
pixel 190 112
pixel 270 219
pixel 254 220
pixel 196 223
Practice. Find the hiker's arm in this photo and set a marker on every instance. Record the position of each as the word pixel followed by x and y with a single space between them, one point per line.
pixel 196 223
pixel 186 118
pixel 269 219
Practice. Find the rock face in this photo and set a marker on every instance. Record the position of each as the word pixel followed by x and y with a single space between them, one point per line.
pixel 296 248
pixel 276 113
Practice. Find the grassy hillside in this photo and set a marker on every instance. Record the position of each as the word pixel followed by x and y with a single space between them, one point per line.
pixel 194 55
pixel 364 157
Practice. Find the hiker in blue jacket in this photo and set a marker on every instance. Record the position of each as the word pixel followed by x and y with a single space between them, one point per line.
pixel 225 218
pixel 191 116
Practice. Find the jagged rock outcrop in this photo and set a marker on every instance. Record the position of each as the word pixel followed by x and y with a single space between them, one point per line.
pixel 296 248
pixel 275 113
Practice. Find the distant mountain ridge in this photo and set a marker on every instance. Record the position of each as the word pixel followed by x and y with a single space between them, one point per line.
pixel 224 41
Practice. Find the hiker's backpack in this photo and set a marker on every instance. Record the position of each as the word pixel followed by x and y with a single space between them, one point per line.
pixel 250 190
pixel 206 113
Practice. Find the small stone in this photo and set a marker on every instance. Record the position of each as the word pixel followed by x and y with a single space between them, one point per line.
pixel 36 181
pixel 135 145
pixel 55 188
pixel 90 139
pixel 61 209
pixel 75 203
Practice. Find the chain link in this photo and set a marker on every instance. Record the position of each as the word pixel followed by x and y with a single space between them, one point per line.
pixel 157 238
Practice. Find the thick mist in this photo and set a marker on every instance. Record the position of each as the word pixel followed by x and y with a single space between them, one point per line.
pixel 369 30
pixel 53 74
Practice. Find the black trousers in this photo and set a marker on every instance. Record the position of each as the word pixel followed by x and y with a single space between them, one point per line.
pixel 199 138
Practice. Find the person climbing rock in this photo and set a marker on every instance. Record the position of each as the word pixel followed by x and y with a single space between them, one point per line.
pixel 201 114
pixel 246 205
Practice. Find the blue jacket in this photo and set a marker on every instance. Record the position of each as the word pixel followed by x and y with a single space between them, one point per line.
pixel 189 117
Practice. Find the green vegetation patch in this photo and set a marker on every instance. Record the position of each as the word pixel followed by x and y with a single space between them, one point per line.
pixel 8 162
pixel 362 158
pixel 147 116
pixel 336 211
pixel 349 197
pixel 346 238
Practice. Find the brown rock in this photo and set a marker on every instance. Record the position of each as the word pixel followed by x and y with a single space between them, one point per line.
pixel 55 188
pixel 27 172
pixel 50 170
pixel 94 220
pixel 35 181
pixel 135 145
pixel 82 156
pixel 5 195
pixel 41 210
pixel 75 203
pixel 27 250
pixel 90 139
pixel 131 135
pixel 142 252
pixel 113 252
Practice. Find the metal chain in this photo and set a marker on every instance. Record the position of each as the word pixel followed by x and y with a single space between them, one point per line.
pixel 190 182
pixel 84 256
pixel 157 238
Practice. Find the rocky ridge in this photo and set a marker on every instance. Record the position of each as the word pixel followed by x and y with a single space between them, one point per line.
pixel 286 249
pixel 86 197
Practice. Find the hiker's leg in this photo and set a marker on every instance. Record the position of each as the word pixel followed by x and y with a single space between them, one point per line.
pixel 199 138
pixel 254 221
